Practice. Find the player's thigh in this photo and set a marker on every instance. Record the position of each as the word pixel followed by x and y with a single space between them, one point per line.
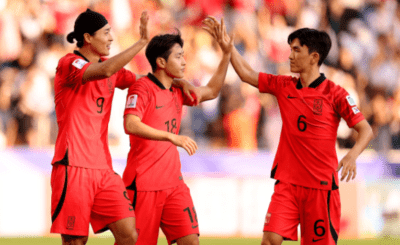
pixel 111 202
pixel 148 210
pixel 192 239
pixel 179 217
pixel 73 240
pixel 320 220
pixel 271 238
pixel 71 200
pixel 283 215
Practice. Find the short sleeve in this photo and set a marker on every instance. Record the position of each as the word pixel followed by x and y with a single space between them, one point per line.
pixel 71 69
pixel 268 83
pixel 137 99
pixel 125 79
pixel 347 108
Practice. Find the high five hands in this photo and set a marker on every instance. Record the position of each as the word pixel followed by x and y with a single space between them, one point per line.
pixel 218 31
pixel 143 30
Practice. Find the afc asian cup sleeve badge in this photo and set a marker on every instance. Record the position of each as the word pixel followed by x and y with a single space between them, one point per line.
pixel 79 63
pixel 131 101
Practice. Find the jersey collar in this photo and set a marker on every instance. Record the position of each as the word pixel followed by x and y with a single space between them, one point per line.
pixel 79 53
pixel 157 82
pixel 314 84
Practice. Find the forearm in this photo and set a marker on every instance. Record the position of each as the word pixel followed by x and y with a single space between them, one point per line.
pixel 363 138
pixel 216 82
pixel 142 130
pixel 243 69
pixel 117 62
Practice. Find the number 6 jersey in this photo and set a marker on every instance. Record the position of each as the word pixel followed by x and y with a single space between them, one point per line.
pixel 83 113
pixel 306 154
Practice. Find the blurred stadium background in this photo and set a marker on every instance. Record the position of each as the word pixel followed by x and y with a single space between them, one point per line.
pixel 237 133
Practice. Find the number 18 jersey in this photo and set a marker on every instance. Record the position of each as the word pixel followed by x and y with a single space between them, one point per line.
pixel 154 165
pixel 83 113
pixel 306 154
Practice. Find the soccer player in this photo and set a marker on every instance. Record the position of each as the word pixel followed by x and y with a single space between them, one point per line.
pixel 85 188
pixel 152 118
pixel 306 165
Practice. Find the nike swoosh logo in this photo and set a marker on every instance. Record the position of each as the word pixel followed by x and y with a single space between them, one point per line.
pixel 158 107
pixel 316 240
pixel 291 97
pixel 194 226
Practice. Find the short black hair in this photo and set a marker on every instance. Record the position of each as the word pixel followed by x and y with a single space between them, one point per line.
pixel 316 41
pixel 160 46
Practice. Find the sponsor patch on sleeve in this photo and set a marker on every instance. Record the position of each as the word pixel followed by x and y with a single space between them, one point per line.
pixel 79 63
pixel 351 101
pixel 355 110
pixel 131 101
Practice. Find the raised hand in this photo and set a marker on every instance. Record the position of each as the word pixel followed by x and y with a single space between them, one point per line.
pixel 185 142
pixel 218 31
pixel 144 31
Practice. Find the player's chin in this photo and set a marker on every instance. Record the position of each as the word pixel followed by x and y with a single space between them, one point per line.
pixel 294 70
pixel 105 52
pixel 179 76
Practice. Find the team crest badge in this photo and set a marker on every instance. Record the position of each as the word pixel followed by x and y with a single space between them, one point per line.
pixel 317 107
pixel 70 222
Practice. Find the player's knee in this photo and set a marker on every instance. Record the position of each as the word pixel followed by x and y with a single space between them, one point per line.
pixel 195 242
pixel 128 239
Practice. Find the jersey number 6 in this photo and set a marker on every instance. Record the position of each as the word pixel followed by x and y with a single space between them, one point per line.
pixel 301 125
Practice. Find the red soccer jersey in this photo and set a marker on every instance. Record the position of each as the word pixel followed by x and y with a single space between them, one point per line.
pixel 154 165
pixel 306 153
pixel 83 112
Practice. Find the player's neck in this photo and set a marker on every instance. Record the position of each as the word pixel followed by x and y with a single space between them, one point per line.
pixel 308 77
pixel 90 55
pixel 163 78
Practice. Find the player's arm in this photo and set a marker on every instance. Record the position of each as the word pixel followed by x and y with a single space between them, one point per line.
pixel 134 125
pixel 242 68
pixel 348 162
pixel 110 66
pixel 187 88
pixel 213 87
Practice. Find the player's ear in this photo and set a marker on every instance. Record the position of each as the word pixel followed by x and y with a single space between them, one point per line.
pixel 161 62
pixel 87 37
pixel 314 57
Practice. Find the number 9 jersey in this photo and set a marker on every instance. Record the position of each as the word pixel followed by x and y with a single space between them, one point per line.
pixel 83 113
pixel 306 154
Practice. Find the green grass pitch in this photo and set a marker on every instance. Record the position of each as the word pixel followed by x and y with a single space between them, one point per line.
pixel 203 241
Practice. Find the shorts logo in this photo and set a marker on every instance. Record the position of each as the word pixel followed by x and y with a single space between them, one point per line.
pixel 70 222
pixel 79 63
pixel 317 107
pixel 131 101
pixel 267 218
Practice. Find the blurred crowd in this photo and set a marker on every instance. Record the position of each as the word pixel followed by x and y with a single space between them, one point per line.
pixel 364 59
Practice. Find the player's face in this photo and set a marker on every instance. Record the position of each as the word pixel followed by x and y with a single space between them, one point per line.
pixel 101 41
pixel 175 66
pixel 300 59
